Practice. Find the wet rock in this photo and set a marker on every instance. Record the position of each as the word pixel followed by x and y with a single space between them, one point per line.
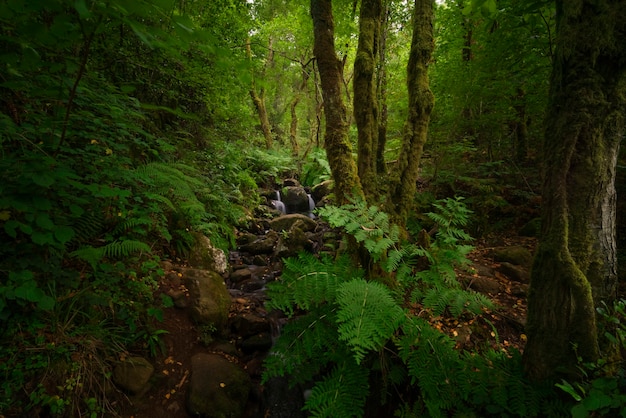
pixel 209 298
pixel 133 374
pixel 203 255
pixel 322 190
pixel 484 285
pixel 179 297
pixel 296 199
pixel 247 324
pixel 513 272
pixel 217 387
pixel 294 242
pixel 251 285
pixel 514 255
pixel 240 275
pixel 286 222
pixel 263 245
pixel 259 342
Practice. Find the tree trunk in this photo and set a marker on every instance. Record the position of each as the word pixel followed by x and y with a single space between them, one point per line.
pixel 421 102
pixel 258 99
pixel 338 149
pixel 365 103
pixel 381 91
pixel 575 266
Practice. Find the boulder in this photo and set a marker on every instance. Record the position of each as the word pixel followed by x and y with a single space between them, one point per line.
pixel 293 242
pixel 133 374
pixel 285 222
pixel 263 245
pixel 240 275
pixel 209 298
pixel 296 200
pixel 247 324
pixel 531 229
pixel 513 272
pixel 217 387
pixel 203 255
pixel 514 255
pixel 322 190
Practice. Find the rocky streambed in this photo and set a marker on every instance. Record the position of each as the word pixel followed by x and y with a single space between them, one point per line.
pixel 218 333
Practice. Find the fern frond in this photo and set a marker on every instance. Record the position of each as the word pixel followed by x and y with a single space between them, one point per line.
pixel 368 316
pixel 307 344
pixel 307 282
pixel 114 250
pixel 341 394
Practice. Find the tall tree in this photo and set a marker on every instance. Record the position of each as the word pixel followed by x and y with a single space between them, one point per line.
pixel 330 67
pixel 365 106
pixel 575 265
pixel 421 103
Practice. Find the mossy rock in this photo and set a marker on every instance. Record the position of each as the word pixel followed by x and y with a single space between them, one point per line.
pixel 209 298
pixel 515 255
pixel 531 229
pixel 133 374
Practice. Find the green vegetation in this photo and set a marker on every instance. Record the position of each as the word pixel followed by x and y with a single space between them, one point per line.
pixel 127 128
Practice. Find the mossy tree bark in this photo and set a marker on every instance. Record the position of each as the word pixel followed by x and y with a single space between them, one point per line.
pixel 365 103
pixel 338 148
pixel 575 265
pixel 421 102
pixel 258 99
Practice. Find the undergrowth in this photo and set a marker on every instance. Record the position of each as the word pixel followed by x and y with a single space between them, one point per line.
pixel 348 331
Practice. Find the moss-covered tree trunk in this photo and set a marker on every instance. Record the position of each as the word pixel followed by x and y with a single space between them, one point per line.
pixel 258 99
pixel 575 265
pixel 338 149
pixel 365 103
pixel 381 91
pixel 421 102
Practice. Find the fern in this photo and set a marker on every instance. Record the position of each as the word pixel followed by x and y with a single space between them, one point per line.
pixel 307 282
pixel 341 394
pixel 114 250
pixel 368 316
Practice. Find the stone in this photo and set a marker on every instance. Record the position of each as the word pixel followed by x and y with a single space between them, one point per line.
pixel 514 255
pixel 217 387
pixel 293 242
pixel 296 199
pixel 513 272
pixel 484 285
pixel 240 275
pixel 203 255
pixel 133 374
pixel 259 342
pixel 322 190
pixel 263 245
pixel 209 298
pixel 247 324
pixel 285 222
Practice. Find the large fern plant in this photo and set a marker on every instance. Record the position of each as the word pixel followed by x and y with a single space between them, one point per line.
pixel 347 332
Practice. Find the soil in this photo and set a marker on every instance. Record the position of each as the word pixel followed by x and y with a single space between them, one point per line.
pixel 500 328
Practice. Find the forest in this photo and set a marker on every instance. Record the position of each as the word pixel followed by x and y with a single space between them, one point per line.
pixel 312 208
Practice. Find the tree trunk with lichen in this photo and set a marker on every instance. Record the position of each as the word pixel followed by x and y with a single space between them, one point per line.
pixel 338 148
pixel 365 103
pixel 421 102
pixel 574 270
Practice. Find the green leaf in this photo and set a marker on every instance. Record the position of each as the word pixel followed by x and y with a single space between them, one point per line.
pixel 43 180
pixel 46 303
pixel 81 8
pixel 29 291
pixel 63 234
pixel 44 221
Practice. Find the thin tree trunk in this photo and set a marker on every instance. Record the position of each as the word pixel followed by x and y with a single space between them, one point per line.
pixel 258 99
pixel 575 265
pixel 421 102
pixel 365 103
pixel 338 149
pixel 381 91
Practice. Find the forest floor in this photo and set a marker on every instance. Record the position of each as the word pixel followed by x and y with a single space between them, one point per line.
pixel 501 328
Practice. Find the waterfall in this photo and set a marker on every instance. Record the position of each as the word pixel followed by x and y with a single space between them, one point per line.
pixel 311 206
pixel 278 203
